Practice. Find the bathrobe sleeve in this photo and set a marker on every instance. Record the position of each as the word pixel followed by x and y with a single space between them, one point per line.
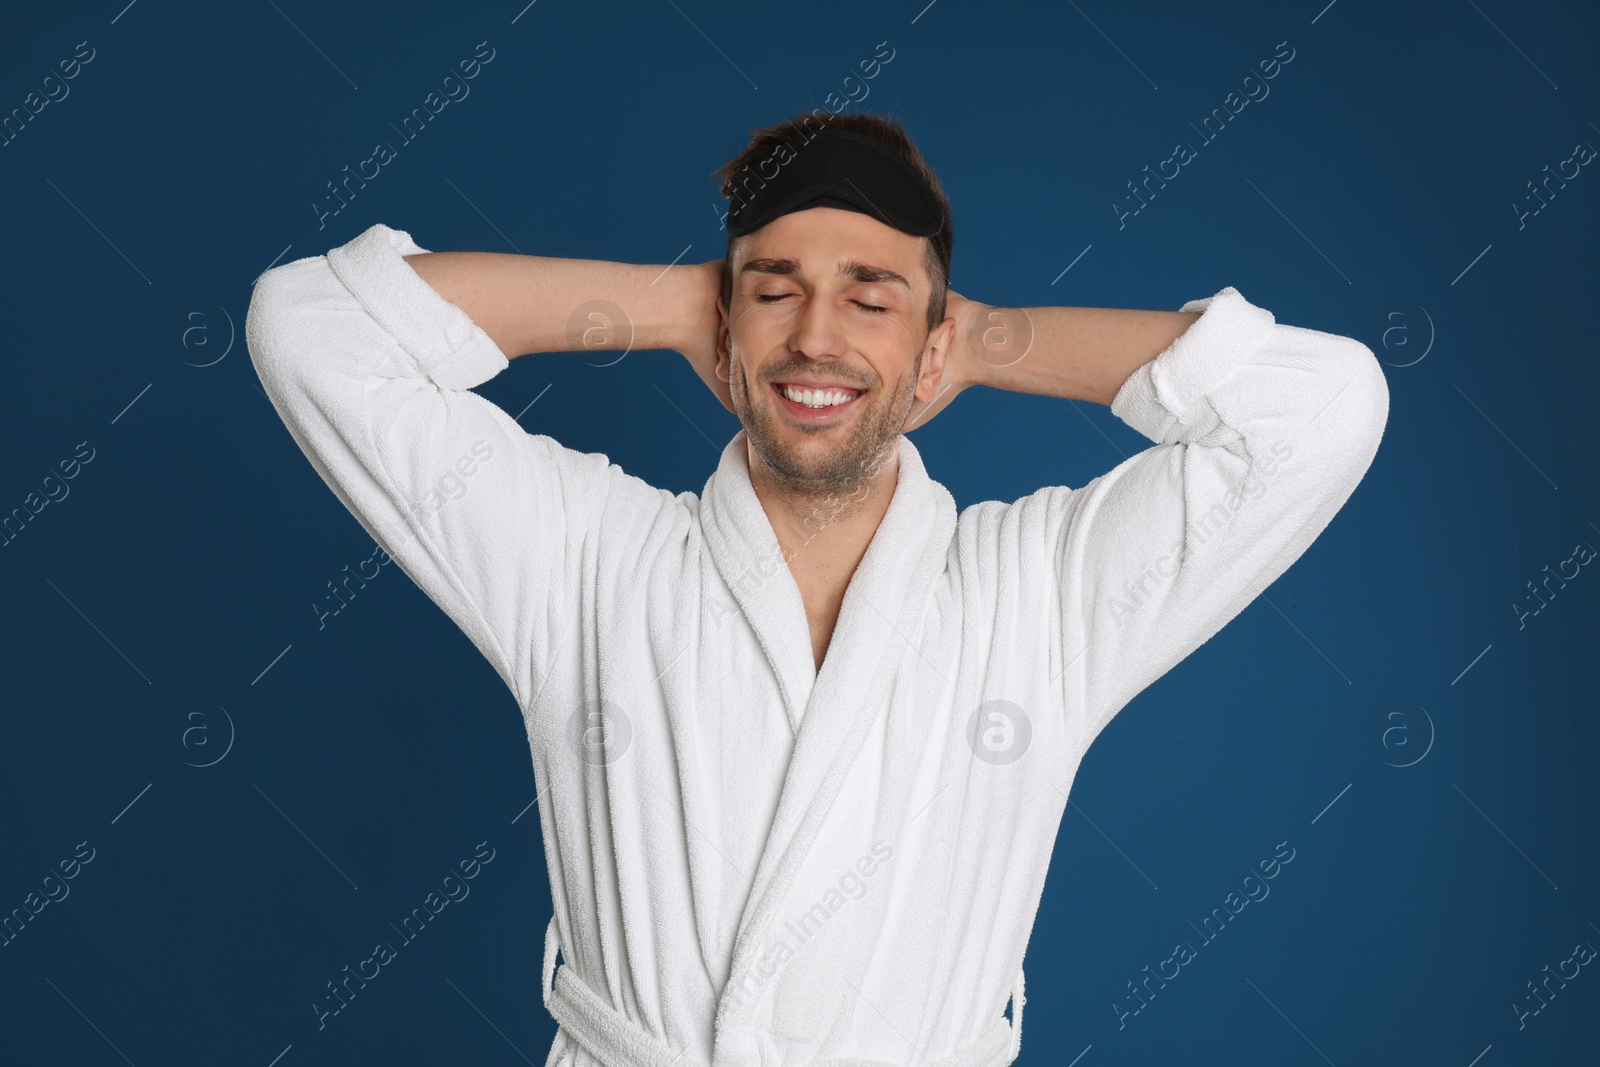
pixel 372 371
pixel 1263 431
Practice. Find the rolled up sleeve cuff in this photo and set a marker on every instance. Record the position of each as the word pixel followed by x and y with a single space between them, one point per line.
pixel 441 340
pixel 1221 339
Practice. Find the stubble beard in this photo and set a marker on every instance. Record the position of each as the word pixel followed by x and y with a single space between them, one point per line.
pixel 864 448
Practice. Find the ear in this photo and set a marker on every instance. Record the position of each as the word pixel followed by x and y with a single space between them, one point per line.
pixel 934 356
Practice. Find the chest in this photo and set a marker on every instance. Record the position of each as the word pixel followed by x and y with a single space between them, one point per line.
pixel 823 596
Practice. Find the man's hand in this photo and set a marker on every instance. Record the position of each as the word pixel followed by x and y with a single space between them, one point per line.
pixel 702 325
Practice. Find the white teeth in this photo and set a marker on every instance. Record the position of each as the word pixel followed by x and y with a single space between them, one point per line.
pixel 817 398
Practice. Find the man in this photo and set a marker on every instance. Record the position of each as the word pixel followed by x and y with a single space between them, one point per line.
pixel 803 742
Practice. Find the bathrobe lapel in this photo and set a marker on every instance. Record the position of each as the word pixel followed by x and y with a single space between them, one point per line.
pixel 746 553
pixel 832 710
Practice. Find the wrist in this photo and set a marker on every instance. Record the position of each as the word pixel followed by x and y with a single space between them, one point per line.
pixel 996 339
pixel 692 297
pixel 665 304
pixel 966 359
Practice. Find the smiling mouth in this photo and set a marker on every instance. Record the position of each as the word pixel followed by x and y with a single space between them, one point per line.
pixel 835 396
pixel 815 405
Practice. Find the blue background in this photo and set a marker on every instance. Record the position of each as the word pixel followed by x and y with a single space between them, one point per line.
pixel 1429 759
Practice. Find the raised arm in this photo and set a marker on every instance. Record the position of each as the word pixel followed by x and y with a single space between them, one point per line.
pixel 531 304
pixel 370 353
pixel 1071 352
pixel 1262 432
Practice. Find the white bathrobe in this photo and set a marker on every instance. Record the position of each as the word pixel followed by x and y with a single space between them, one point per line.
pixel 754 863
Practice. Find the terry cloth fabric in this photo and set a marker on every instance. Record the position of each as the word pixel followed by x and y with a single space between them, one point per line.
pixel 753 861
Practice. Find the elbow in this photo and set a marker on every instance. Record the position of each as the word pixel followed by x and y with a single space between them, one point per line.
pixel 1346 418
pixel 1368 413
pixel 278 331
pixel 264 321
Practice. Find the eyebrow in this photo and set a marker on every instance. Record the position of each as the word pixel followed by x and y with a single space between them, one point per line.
pixel 853 269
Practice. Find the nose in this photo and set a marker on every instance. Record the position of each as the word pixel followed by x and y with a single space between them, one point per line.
pixel 817 329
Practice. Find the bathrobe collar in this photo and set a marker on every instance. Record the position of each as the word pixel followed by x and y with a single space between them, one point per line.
pixel 831 711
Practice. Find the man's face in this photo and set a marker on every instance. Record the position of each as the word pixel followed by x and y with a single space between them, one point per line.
pixel 827 299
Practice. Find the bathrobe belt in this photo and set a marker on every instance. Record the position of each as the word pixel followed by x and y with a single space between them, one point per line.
pixel 617 1041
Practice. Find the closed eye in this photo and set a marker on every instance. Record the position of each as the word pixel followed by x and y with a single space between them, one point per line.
pixel 769 298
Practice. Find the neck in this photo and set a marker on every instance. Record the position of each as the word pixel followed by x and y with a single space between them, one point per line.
pixel 825 531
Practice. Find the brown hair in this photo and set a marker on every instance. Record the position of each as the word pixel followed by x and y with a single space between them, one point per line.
pixel 734 180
